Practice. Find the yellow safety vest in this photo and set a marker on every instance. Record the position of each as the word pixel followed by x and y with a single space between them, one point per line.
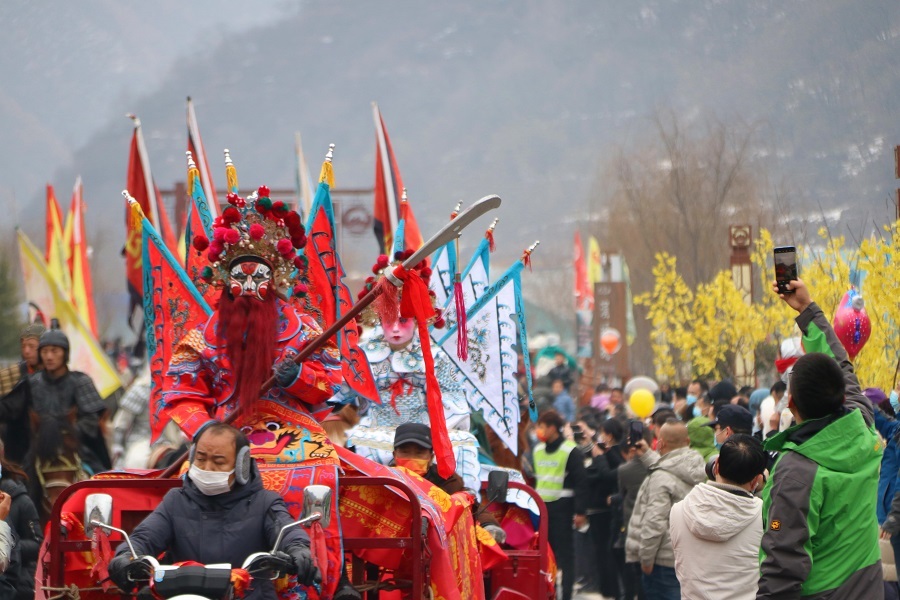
pixel 550 471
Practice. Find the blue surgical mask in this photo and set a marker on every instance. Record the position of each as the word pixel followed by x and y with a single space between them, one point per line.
pixel 895 401
pixel 717 443
pixel 691 398
pixel 697 411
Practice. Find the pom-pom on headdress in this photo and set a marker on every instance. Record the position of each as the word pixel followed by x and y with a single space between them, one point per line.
pixel 258 227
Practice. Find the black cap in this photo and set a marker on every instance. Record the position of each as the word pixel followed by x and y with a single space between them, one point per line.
pixel 735 416
pixel 723 391
pixel 415 433
pixel 54 337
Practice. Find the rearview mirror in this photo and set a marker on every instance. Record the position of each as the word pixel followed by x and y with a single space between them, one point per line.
pixel 97 507
pixel 498 485
pixel 317 500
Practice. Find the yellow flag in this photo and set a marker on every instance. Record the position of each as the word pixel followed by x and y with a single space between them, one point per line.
pixel 595 269
pixel 43 291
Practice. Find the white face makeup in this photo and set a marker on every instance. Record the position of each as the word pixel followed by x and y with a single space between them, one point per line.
pixel 250 278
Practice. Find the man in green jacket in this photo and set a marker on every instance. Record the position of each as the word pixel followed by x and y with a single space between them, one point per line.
pixel 820 535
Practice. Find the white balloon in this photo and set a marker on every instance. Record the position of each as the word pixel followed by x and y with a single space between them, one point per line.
pixel 640 382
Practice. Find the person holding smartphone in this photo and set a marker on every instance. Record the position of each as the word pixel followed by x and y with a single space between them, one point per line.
pixel 820 526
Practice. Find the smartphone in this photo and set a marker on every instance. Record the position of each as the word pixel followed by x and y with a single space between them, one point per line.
pixel 785 267
pixel 635 433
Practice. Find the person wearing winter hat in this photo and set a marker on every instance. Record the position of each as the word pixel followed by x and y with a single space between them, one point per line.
pixel 56 392
pixel 15 393
pixel 720 522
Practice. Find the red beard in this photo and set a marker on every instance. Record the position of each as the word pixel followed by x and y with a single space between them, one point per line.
pixel 249 328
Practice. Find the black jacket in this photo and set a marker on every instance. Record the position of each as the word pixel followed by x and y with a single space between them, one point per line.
pixel 217 529
pixel 23 518
pixel 602 479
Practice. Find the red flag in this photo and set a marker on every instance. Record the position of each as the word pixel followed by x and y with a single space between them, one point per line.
pixel 388 190
pixel 584 297
pixel 329 295
pixel 195 147
pixel 140 185
pixel 82 281
pixel 55 251
pixel 53 224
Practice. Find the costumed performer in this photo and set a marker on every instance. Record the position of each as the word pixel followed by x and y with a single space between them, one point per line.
pixel 218 370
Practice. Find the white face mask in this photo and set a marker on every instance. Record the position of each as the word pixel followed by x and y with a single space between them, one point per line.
pixel 210 483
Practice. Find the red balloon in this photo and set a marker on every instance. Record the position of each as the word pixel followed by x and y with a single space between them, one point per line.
pixel 851 323
pixel 610 341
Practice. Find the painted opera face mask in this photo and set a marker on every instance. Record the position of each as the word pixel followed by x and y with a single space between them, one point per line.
pixel 252 278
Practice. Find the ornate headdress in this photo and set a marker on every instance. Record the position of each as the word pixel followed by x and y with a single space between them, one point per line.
pixel 256 227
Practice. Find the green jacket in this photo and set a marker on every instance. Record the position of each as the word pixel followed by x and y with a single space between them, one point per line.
pixel 820 535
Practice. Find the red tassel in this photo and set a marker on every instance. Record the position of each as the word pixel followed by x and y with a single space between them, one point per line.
pixel 417 303
pixel 526 259
pixel 462 335
pixel 318 547
pixel 102 553
pixel 387 304
pixel 489 235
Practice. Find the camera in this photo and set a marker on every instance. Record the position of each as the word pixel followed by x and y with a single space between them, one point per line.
pixel 577 433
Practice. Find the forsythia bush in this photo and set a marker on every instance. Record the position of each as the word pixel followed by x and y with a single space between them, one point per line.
pixel 696 333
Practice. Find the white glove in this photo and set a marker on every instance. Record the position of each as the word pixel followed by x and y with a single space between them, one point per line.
pixel 496 532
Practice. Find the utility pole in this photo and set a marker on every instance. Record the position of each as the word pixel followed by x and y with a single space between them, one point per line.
pixel 742 275
pixel 897 176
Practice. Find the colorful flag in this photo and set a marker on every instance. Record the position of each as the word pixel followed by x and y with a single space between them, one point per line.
pixel 388 190
pixel 584 293
pixel 595 266
pixel 195 147
pixel 304 186
pixel 172 308
pixel 329 294
pixel 474 279
pixel 140 185
pixel 489 374
pixel 199 222
pixel 55 253
pixel 82 281
pixel 443 270
pixel 44 292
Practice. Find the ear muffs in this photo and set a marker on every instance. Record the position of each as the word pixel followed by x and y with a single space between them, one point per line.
pixel 243 464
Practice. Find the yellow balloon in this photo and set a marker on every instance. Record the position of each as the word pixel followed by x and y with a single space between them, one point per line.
pixel 642 403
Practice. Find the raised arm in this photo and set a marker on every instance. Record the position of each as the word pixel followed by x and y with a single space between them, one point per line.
pixel 819 336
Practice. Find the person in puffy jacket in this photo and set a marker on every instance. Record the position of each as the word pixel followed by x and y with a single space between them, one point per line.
pixel 674 471
pixel 221 514
pixel 24 520
pixel 720 523
pixel 820 536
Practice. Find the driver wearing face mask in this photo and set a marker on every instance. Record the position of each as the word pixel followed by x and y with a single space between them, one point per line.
pixel 413 450
pixel 221 514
